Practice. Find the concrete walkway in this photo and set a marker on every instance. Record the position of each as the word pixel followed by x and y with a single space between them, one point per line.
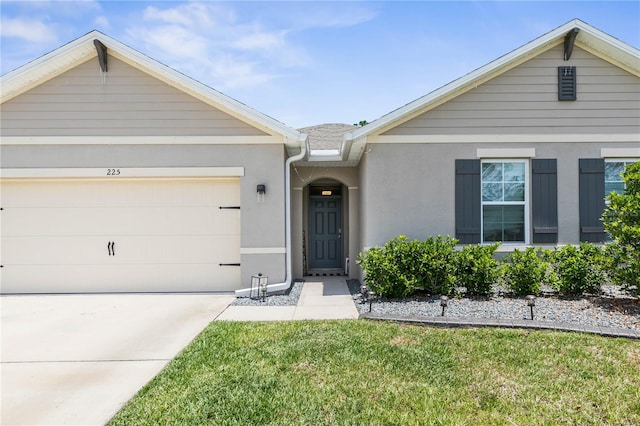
pixel 328 298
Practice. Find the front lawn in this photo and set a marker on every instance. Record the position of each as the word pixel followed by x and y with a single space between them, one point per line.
pixel 360 373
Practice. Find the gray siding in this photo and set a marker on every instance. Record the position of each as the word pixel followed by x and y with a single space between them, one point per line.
pixel 524 100
pixel 122 102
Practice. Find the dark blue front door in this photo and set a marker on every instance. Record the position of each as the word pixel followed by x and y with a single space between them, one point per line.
pixel 325 232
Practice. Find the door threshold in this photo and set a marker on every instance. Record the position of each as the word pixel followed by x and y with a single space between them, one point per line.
pixel 326 273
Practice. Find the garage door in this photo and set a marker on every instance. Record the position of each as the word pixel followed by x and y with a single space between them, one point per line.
pixel 137 235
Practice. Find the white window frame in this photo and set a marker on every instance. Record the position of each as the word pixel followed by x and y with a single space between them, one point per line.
pixel 625 160
pixel 527 179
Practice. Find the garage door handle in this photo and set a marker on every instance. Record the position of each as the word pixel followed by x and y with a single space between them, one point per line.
pixel 111 248
pixel 229 264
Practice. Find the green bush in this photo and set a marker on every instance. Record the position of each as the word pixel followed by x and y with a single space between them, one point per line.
pixel 621 220
pixel 388 270
pixel 578 269
pixel 476 269
pixel 401 266
pixel 437 264
pixel 524 271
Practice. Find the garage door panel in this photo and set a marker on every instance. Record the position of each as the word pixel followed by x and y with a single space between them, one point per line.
pixel 168 235
pixel 102 251
pixel 120 278
pixel 69 221
pixel 106 193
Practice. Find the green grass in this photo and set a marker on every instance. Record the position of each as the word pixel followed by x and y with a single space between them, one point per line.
pixel 372 373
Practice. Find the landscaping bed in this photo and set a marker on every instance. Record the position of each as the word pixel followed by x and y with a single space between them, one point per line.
pixel 611 309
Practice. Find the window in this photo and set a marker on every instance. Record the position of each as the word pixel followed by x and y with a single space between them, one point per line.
pixel 504 190
pixel 613 170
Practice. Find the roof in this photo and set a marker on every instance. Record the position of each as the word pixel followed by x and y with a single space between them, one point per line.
pixel 588 38
pixel 83 49
pixel 327 136
pixel 325 142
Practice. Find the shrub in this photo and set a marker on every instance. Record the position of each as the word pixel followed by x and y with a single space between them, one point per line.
pixel 390 270
pixel 437 264
pixel 578 269
pixel 401 266
pixel 524 271
pixel 621 220
pixel 476 269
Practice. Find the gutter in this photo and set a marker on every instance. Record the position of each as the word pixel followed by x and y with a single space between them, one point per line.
pixel 272 288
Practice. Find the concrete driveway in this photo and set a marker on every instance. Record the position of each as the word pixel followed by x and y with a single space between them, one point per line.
pixel 77 359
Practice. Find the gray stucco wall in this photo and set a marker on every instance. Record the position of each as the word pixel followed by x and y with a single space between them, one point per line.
pixel 409 188
pixel 262 224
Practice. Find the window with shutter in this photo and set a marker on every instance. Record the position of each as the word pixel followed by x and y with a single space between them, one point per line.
pixel 504 201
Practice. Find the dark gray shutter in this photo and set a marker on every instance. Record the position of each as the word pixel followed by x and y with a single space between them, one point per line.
pixel 567 84
pixel 544 200
pixel 591 195
pixel 468 214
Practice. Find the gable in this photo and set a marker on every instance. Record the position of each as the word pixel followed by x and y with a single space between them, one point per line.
pixel 524 100
pixel 125 101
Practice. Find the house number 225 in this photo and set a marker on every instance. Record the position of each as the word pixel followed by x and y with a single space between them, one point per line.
pixel 113 172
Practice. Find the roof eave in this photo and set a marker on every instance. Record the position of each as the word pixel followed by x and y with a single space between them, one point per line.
pixel 82 49
pixel 589 38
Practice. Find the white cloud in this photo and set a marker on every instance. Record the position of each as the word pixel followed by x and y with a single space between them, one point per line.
pixel 30 30
pixel 209 42
pixel 260 41
pixel 101 22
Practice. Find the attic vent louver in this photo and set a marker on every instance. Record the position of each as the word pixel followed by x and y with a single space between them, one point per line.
pixel 102 54
pixel 567 84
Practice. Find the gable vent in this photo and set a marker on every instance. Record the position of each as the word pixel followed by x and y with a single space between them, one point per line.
pixel 567 84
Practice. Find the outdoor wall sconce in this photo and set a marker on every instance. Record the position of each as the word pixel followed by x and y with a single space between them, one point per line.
pixel 531 302
pixel 444 301
pixel 261 190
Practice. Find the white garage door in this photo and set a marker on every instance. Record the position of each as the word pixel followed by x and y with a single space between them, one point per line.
pixel 145 235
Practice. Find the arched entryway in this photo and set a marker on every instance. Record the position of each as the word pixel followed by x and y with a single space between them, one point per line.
pixel 325 227
pixel 324 213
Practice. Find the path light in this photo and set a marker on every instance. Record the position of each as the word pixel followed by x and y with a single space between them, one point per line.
pixel 444 301
pixel 531 302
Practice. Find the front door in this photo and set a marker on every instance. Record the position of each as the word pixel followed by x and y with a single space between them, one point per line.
pixel 325 232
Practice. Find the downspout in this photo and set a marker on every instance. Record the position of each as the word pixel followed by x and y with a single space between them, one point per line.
pixel 272 288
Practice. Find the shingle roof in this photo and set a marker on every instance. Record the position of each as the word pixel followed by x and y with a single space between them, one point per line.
pixel 327 136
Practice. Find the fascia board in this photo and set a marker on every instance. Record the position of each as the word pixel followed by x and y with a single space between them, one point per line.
pixel 591 36
pixel 47 66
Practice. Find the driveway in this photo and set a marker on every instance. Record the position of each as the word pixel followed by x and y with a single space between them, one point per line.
pixel 77 359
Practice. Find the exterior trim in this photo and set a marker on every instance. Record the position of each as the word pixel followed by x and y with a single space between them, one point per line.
pixel 472 138
pixel 140 140
pixel 263 250
pixel 505 152
pixel 620 152
pixel 122 172
pixel 599 43
pixel 82 49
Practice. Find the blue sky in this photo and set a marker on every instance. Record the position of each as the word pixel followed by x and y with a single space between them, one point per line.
pixel 307 63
